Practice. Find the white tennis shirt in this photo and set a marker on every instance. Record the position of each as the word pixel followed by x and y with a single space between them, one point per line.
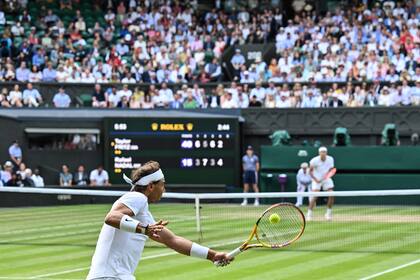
pixel 321 168
pixel 118 252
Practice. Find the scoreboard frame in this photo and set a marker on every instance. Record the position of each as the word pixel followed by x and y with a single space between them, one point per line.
pixel 179 127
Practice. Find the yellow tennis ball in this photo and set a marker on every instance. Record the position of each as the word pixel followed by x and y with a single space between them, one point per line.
pixel 274 218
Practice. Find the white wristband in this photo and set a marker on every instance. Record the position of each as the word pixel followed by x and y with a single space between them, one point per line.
pixel 199 251
pixel 128 224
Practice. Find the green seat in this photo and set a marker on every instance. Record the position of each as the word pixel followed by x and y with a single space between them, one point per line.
pixel 85 100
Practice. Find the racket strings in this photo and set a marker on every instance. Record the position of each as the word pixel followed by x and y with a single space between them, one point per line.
pixel 280 233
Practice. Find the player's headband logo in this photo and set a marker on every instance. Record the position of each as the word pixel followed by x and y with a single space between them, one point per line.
pixel 146 180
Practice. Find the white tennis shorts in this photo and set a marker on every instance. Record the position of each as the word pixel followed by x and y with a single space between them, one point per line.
pixel 324 185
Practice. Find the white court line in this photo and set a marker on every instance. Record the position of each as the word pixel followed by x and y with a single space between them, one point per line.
pixel 390 270
pixel 42 276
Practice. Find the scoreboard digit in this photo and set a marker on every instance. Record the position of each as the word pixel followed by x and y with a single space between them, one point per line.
pixel 190 150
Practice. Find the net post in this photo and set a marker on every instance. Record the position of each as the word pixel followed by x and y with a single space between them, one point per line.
pixel 197 214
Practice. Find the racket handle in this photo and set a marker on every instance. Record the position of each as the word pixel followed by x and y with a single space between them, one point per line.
pixel 230 255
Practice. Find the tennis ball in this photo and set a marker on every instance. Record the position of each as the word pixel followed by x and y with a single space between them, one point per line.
pixel 274 218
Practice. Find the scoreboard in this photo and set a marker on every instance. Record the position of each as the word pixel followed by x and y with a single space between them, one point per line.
pixel 191 151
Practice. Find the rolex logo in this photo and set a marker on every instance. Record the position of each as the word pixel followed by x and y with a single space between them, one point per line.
pixel 190 126
pixel 155 126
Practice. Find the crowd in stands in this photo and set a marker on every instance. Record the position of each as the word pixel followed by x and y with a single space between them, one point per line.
pixel 15 173
pixel 170 42
pixel 230 96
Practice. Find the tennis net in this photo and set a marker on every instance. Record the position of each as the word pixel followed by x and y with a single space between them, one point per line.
pixel 363 221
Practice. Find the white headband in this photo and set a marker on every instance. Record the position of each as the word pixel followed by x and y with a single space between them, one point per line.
pixel 146 180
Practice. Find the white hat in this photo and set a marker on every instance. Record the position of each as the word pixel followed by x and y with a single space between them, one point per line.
pixel 322 149
pixel 304 165
pixel 8 163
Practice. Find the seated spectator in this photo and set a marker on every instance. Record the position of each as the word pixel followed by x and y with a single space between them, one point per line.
pixel 283 101
pixel 237 61
pixel 15 181
pixel 147 102
pixel 66 178
pixel 335 102
pixel 3 99
pixel 35 75
pixel 136 98
pixel 190 102
pixel 254 102
pixel 28 178
pixel 228 102
pixel 113 97
pixel 385 98
pixel 213 70
pixel 81 177
pixel 22 73
pixel 22 170
pixel 38 58
pixel 2 18
pixel 177 103
pixel 6 173
pixel 99 177
pixel 99 99
pixel 37 179
pixel 50 19
pixel 310 101
pixel 61 99
pixel 15 97
pixel 124 102
pixel 31 96
pixel 49 74
pixel 125 91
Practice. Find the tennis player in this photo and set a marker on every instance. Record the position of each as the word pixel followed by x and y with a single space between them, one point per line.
pixel 319 167
pixel 128 225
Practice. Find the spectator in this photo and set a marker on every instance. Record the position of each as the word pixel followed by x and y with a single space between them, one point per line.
pixel 6 173
pixel 31 96
pixel 21 170
pixel 38 58
pixel 228 102
pixel 335 102
pixel 237 61
pixel 15 97
pixel 15 153
pixel 147 103
pixel 37 179
pixel 35 76
pixel 190 102
pixel 61 99
pixel 177 103
pixel 99 177
pixel 66 177
pixel 254 102
pixel 3 99
pixel 81 178
pixel 124 92
pixel 99 99
pixel 213 70
pixel 22 73
pixel 15 181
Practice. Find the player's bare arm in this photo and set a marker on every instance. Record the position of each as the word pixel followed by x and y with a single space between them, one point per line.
pixel 184 246
pixel 118 212
pixel 311 172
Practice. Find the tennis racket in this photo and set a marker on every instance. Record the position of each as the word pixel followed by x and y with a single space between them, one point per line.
pixel 330 173
pixel 271 234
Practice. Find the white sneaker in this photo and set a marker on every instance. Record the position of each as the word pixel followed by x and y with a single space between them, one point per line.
pixel 298 205
pixel 244 203
pixel 328 216
pixel 256 203
pixel 309 217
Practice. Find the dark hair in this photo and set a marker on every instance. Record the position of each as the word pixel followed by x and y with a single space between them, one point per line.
pixel 146 169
